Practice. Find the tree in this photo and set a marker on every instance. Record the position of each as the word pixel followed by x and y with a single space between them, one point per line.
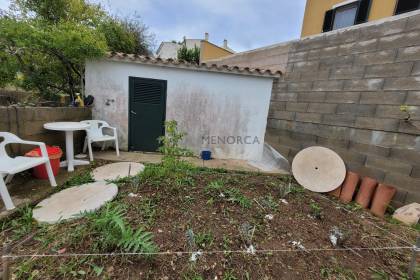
pixel 44 43
pixel 190 55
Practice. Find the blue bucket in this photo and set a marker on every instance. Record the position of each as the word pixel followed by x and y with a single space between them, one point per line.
pixel 206 155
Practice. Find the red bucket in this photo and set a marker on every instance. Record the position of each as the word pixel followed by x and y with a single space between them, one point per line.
pixel 54 154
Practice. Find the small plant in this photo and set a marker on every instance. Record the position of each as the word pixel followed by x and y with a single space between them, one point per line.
pixel 189 55
pixel 204 239
pixel 337 273
pixel 229 275
pixel 83 178
pixel 113 231
pixel 216 189
pixel 316 210
pixel 148 209
pixel 24 224
pixel 378 274
pixel 269 202
pixel 171 141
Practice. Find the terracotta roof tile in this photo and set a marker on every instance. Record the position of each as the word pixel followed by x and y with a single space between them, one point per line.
pixel 186 65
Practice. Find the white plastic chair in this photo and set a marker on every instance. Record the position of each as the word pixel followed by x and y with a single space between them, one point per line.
pixel 10 166
pixel 96 134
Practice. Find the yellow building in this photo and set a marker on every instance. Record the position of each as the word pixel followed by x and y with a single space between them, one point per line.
pixel 326 15
pixel 211 51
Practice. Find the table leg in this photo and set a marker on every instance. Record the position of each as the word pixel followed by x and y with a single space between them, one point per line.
pixel 69 151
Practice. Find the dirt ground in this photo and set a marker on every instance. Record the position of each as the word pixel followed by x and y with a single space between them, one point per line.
pixel 226 212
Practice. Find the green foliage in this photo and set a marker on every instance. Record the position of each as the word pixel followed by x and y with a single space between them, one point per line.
pixel 378 274
pixel 337 273
pixel 316 210
pixel 204 239
pixel 229 275
pixel 268 201
pixel 170 143
pixel 23 224
pixel 148 209
pixel 217 190
pixel 45 43
pixel 189 55
pixel 114 232
pixel 84 177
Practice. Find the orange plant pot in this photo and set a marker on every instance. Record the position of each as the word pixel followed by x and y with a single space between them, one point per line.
pixel 349 187
pixel 336 192
pixel 366 191
pixel 382 198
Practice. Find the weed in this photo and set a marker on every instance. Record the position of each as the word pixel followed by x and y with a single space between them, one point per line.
pixel 353 206
pixel 113 231
pixel 268 201
pixel 24 224
pixel 337 273
pixel 204 239
pixel 378 274
pixel 170 142
pixel 229 275
pixel 235 196
pixel 84 177
pixel 316 210
pixel 216 189
pixel 148 209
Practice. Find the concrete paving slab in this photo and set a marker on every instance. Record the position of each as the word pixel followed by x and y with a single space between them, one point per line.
pixel 72 202
pixel 114 171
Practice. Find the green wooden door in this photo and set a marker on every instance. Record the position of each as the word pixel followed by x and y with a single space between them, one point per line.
pixel 147 109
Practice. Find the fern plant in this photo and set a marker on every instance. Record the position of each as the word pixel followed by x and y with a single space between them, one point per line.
pixel 114 231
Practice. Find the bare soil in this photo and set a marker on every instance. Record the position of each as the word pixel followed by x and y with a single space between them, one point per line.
pixel 303 218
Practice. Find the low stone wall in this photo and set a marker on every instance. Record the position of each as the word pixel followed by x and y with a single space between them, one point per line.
pixel 27 123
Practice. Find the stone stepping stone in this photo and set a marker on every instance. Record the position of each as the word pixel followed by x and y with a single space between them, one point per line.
pixel 73 202
pixel 117 170
pixel 408 214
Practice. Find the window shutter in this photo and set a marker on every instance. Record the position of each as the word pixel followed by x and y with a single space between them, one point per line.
pixel 328 21
pixel 404 6
pixel 363 11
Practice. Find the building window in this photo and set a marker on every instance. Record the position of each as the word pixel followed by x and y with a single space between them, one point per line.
pixel 404 6
pixel 345 16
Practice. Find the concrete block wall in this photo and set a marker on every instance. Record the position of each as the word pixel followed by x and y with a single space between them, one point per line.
pixel 344 89
pixel 27 123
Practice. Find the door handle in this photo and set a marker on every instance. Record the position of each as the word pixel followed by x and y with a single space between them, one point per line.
pixel 132 112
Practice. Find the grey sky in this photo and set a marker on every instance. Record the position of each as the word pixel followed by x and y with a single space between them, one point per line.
pixel 246 24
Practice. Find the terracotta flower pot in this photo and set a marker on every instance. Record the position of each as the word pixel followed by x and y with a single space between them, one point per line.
pixel 336 192
pixel 366 191
pixel 383 196
pixel 349 186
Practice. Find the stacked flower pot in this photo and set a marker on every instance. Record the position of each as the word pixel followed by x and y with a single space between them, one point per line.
pixel 370 194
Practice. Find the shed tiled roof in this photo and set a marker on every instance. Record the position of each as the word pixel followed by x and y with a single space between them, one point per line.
pixel 173 63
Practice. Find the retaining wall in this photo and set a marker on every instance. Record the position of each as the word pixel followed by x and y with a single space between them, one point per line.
pixel 27 123
pixel 344 90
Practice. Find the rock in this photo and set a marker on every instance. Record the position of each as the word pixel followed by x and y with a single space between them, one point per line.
pixel 336 237
pixel 408 214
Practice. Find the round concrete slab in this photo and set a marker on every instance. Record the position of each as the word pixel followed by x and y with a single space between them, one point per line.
pixel 318 169
pixel 117 170
pixel 72 202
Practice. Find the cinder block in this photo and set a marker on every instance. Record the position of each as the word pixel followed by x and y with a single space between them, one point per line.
pixel 389 111
pixel 308 117
pixel 377 124
pixel 342 97
pixel 301 86
pixel 296 106
pixel 305 66
pixel 402 181
pixel 409 54
pixel 328 142
pixel 363 85
pixel 313 54
pixel 328 85
pixel 366 171
pixel 411 127
pixel 324 108
pixel 343 36
pixel 371 58
pixel 328 52
pixel 413 98
pixel 383 29
pixel 406 141
pixel 416 69
pixel 310 43
pixel 413 22
pixel 340 61
pixel 415 172
pixel 333 132
pixel 332 119
pixel 285 96
pixel 356 109
pixel 406 155
pixel 350 156
pixel 311 96
pixel 388 165
pixel 292 76
pixel 408 83
pixel 280 87
pixel 389 70
pixel 399 40
pixel 347 73
pixel 297 56
pixel 369 149
pixel 314 75
pixel 274 105
pixel 305 127
pixel 383 97
pixel 412 197
pixel 283 115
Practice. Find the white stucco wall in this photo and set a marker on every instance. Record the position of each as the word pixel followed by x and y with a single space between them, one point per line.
pixel 205 104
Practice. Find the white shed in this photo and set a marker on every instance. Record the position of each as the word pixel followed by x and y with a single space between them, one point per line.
pixel 221 108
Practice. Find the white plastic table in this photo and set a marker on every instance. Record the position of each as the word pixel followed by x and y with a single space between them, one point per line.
pixel 68 128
